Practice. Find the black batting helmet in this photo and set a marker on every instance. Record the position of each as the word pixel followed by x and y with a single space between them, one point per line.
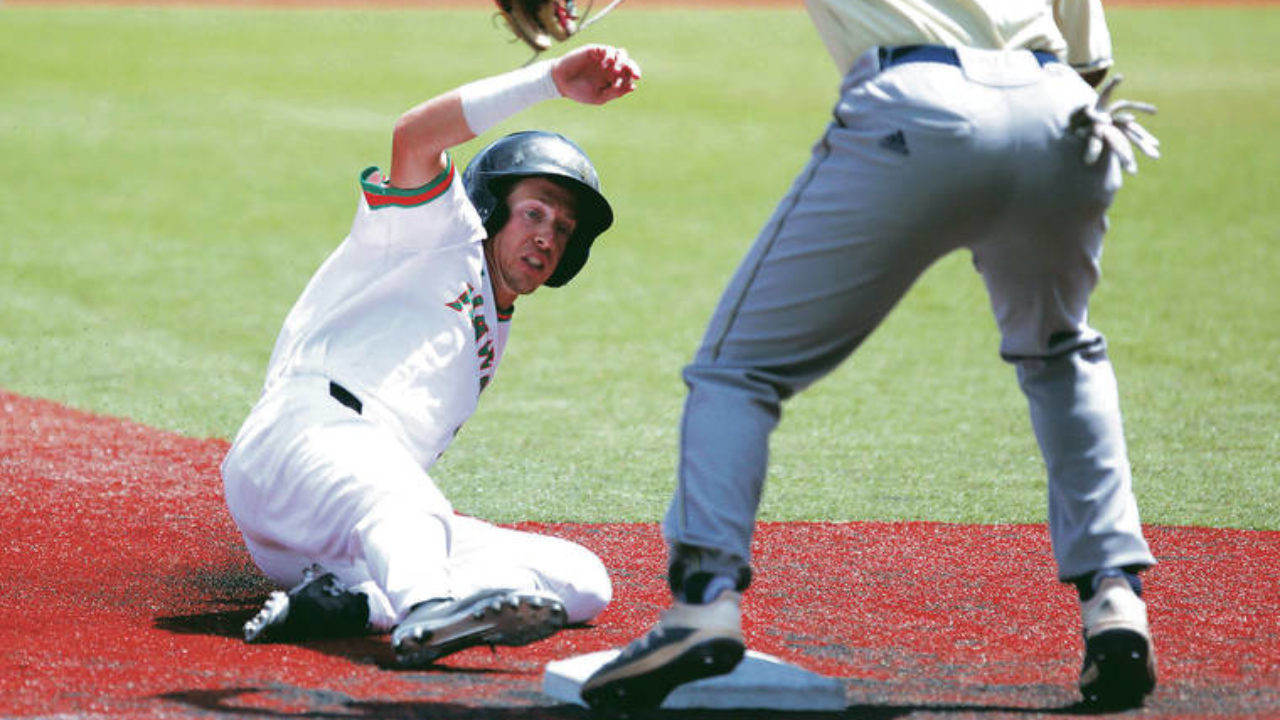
pixel 536 153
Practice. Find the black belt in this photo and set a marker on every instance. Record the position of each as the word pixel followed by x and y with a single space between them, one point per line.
pixel 345 397
pixel 900 54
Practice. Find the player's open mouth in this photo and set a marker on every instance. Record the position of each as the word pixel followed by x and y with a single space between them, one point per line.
pixel 534 262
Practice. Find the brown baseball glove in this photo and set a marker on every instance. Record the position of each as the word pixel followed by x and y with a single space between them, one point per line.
pixel 539 23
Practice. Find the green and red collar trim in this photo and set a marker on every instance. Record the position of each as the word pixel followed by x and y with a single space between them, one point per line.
pixel 379 195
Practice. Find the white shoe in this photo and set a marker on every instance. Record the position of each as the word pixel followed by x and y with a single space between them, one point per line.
pixel 1119 659
pixel 689 643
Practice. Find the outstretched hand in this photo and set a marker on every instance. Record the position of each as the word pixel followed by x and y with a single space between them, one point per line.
pixel 595 74
pixel 1111 125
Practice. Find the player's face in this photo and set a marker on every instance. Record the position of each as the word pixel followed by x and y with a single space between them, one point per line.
pixel 524 253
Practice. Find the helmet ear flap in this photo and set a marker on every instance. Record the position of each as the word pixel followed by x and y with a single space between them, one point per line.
pixel 497 219
pixel 499 213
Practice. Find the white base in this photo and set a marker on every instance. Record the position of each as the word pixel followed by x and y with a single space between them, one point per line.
pixel 759 682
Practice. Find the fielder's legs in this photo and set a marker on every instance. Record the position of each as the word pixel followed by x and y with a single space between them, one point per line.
pixel 1040 268
pixel 833 261
pixel 1040 264
pixel 1093 515
pixel 835 258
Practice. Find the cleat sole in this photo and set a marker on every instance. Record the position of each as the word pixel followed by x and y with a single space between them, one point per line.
pixel 648 688
pixel 1119 670
pixel 510 620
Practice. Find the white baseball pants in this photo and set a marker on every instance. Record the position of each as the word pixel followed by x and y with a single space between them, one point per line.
pixel 309 480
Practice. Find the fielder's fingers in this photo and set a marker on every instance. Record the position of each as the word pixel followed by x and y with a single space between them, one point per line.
pixel 1092 150
pixel 1144 136
pixel 1119 144
pixel 1085 118
pixel 1122 105
pixel 1146 142
pixel 1131 127
pixel 1104 93
pixel 1149 150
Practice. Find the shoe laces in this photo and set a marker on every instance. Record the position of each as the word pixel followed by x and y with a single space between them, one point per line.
pixel 642 643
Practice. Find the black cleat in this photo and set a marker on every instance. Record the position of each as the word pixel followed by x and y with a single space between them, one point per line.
pixel 438 628
pixel 318 607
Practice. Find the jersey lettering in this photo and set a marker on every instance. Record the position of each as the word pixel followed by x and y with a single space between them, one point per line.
pixel 477 318
pixel 463 300
pixel 472 303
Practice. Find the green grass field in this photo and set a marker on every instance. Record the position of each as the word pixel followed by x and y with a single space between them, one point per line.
pixel 174 176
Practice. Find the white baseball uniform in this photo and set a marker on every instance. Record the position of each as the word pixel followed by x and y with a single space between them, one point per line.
pixel 380 362
pixel 948 133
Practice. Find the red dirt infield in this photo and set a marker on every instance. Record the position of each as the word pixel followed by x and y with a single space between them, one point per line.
pixel 125 584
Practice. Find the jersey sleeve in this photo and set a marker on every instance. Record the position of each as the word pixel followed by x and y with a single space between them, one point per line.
pixel 437 215
pixel 1084 25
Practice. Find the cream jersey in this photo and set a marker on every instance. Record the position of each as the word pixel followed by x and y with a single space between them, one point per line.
pixel 400 314
pixel 1074 30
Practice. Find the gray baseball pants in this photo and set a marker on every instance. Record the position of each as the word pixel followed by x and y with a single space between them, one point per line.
pixel 921 159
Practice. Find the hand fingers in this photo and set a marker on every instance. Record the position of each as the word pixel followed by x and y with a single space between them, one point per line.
pixel 627 67
pixel 1122 105
pixel 1112 126
pixel 1150 151
pixel 620 73
pixel 619 65
pixel 1093 150
pixel 1142 135
pixel 1108 87
pixel 1146 142
pixel 1119 144
pixel 1131 127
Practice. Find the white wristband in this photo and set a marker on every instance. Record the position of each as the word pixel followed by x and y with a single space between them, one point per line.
pixel 487 102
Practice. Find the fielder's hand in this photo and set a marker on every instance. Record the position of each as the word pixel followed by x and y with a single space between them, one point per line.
pixel 539 23
pixel 595 74
pixel 1112 125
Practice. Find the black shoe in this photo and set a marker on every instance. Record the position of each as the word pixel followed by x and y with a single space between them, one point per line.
pixel 438 628
pixel 690 642
pixel 318 607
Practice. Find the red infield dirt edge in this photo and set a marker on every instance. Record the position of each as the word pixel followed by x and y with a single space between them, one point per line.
pixel 125 584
